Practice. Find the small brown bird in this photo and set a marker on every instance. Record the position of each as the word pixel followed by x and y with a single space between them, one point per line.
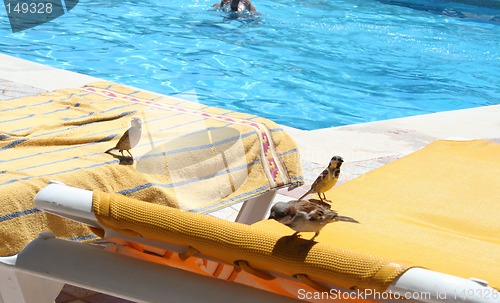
pixel 130 138
pixel 306 216
pixel 327 179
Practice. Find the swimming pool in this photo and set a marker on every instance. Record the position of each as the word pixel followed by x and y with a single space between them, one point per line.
pixel 303 63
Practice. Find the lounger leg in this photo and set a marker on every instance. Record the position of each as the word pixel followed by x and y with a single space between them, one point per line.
pixel 256 209
pixel 21 287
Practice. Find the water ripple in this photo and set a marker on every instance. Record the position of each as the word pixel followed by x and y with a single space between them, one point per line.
pixel 303 63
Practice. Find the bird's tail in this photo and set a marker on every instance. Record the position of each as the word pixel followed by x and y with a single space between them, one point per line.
pixel 109 150
pixel 345 219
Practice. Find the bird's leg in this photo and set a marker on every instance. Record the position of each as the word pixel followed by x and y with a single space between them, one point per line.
pixel 304 195
pixel 121 152
pixel 315 235
pixel 129 153
pixel 324 198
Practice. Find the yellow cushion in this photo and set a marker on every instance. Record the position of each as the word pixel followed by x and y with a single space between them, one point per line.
pixel 229 242
pixel 437 208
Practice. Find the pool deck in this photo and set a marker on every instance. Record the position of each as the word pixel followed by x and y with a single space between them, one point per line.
pixel 364 147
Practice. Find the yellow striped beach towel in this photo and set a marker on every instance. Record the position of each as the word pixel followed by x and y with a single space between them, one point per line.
pixel 190 156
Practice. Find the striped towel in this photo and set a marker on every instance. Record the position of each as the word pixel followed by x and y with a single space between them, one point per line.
pixel 190 156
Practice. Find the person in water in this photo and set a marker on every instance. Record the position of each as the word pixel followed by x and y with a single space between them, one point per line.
pixel 236 6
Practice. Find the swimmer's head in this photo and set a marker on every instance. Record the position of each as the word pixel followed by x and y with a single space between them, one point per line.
pixel 239 6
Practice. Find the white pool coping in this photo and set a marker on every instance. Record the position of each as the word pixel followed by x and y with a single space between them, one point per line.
pixel 38 75
pixel 357 142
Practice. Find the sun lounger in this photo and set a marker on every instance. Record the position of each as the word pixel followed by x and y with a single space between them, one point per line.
pixel 389 255
pixel 190 156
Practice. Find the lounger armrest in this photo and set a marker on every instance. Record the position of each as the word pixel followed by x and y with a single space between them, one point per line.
pixel 434 287
pixel 162 226
pixel 92 267
pixel 65 201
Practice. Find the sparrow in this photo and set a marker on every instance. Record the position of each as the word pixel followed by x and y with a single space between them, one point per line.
pixel 130 138
pixel 306 216
pixel 327 179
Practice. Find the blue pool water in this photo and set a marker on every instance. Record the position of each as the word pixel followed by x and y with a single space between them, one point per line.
pixel 303 63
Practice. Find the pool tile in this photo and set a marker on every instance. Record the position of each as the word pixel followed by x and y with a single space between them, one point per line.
pixel 12 90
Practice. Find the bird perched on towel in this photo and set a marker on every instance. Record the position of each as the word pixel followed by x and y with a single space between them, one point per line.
pixel 306 216
pixel 327 179
pixel 130 138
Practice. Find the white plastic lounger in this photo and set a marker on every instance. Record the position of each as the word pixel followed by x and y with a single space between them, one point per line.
pixel 38 273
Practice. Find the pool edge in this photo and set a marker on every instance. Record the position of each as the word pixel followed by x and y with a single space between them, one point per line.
pixel 355 142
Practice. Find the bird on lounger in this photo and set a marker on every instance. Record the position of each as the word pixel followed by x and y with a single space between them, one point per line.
pixel 306 216
pixel 130 138
pixel 327 179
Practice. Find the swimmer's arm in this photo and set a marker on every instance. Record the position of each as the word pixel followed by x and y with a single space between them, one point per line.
pixel 253 10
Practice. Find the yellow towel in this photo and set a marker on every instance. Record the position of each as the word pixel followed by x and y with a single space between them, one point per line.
pixel 190 156
pixel 437 208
